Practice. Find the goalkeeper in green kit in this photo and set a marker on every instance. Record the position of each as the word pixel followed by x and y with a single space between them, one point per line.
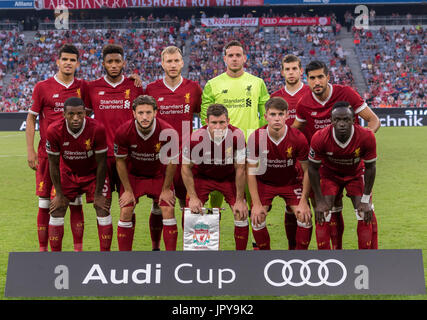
pixel 244 95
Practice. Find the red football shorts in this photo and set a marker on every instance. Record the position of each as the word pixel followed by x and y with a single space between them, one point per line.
pixel 74 185
pixel 205 186
pixel 43 182
pixel 334 185
pixel 291 194
pixel 141 186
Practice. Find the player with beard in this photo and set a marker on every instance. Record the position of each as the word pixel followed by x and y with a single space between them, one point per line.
pixel 343 155
pixel 292 92
pixel 110 99
pixel 313 113
pixel 146 167
pixel 48 102
pixel 178 99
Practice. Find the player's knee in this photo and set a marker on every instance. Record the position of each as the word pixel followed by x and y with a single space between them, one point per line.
pixel 58 213
pixel 126 213
pixel 167 212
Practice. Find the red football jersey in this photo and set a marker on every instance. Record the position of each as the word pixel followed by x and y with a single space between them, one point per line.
pixel 343 159
pixel 317 114
pixel 215 159
pixel 143 152
pixel 48 103
pixel 77 150
pixel 176 105
pixel 280 158
pixel 112 104
pixel 292 100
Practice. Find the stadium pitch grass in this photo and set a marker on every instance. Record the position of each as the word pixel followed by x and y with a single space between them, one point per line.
pixel 399 198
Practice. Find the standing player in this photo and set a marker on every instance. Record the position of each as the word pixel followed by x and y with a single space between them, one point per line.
pixel 178 99
pixel 140 159
pixel 81 144
pixel 292 92
pixel 216 154
pixel 348 155
pixel 313 113
pixel 48 103
pixel 275 149
pixel 244 95
pixel 110 98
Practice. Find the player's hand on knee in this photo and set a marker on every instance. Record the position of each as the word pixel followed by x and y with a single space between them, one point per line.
pixel 240 210
pixel 319 216
pixel 195 205
pixel 101 203
pixel 126 198
pixel 303 212
pixel 58 203
pixel 366 208
pixel 258 215
pixel 168 196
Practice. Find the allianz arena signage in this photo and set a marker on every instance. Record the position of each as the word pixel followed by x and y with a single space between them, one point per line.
pixel 215 273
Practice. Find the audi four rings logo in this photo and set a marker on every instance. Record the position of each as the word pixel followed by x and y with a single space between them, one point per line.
pixel 305 272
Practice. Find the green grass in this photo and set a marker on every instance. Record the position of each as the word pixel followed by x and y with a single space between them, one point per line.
pixel 399 198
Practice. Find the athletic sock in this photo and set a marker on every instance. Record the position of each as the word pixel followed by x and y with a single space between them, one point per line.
pixel 77 225
pixel 336 227
pixel 241 234
pixel 156 227
pixel 323 237
pixel 170 234
pixel 105 232
pixel 364 233
pixel 56 233
pixel 303 236
pixel 43 224
pixel 125 232
pixel 261 236
pixel 374 243
pixel 291 229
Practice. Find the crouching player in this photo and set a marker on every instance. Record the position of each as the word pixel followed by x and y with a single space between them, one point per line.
pixel 141 147
pixel 272 155
pixel 81 143
pixel 343 155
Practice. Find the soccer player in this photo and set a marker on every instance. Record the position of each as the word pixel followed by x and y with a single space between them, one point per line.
pixel 343 155
pixel 139 147
pixel 272 155
pixel 292 92
pixel 110 99
pixel 313 112
pixel 80 143
pixel 178 99
pixel 216 155
pixel 48 103
pixel 243 94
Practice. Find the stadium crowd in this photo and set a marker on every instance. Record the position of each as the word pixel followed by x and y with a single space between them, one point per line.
pixel 394 71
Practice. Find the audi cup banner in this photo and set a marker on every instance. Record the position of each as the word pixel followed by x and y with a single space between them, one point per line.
pixel 208 273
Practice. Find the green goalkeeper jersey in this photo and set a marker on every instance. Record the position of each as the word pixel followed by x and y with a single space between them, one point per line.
pixel 244 97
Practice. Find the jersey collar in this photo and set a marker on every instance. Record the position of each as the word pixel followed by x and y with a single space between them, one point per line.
pixel 170 88
pixel 148 136
pixel 62 83
pixel 327 99
pixel 277 142
pixel 339 143
pixel 76 135
pixel 295 92
pixel 116 83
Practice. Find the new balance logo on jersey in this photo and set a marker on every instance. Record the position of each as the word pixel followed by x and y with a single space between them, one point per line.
pixel 56 95
pixel 161 99
pixel 101 93
pixel 314 113
pixel 66 143
pixel 133 146
pixel 224 91
pixel 329 153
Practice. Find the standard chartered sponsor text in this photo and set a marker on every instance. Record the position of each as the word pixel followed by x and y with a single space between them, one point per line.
pixel 111 104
